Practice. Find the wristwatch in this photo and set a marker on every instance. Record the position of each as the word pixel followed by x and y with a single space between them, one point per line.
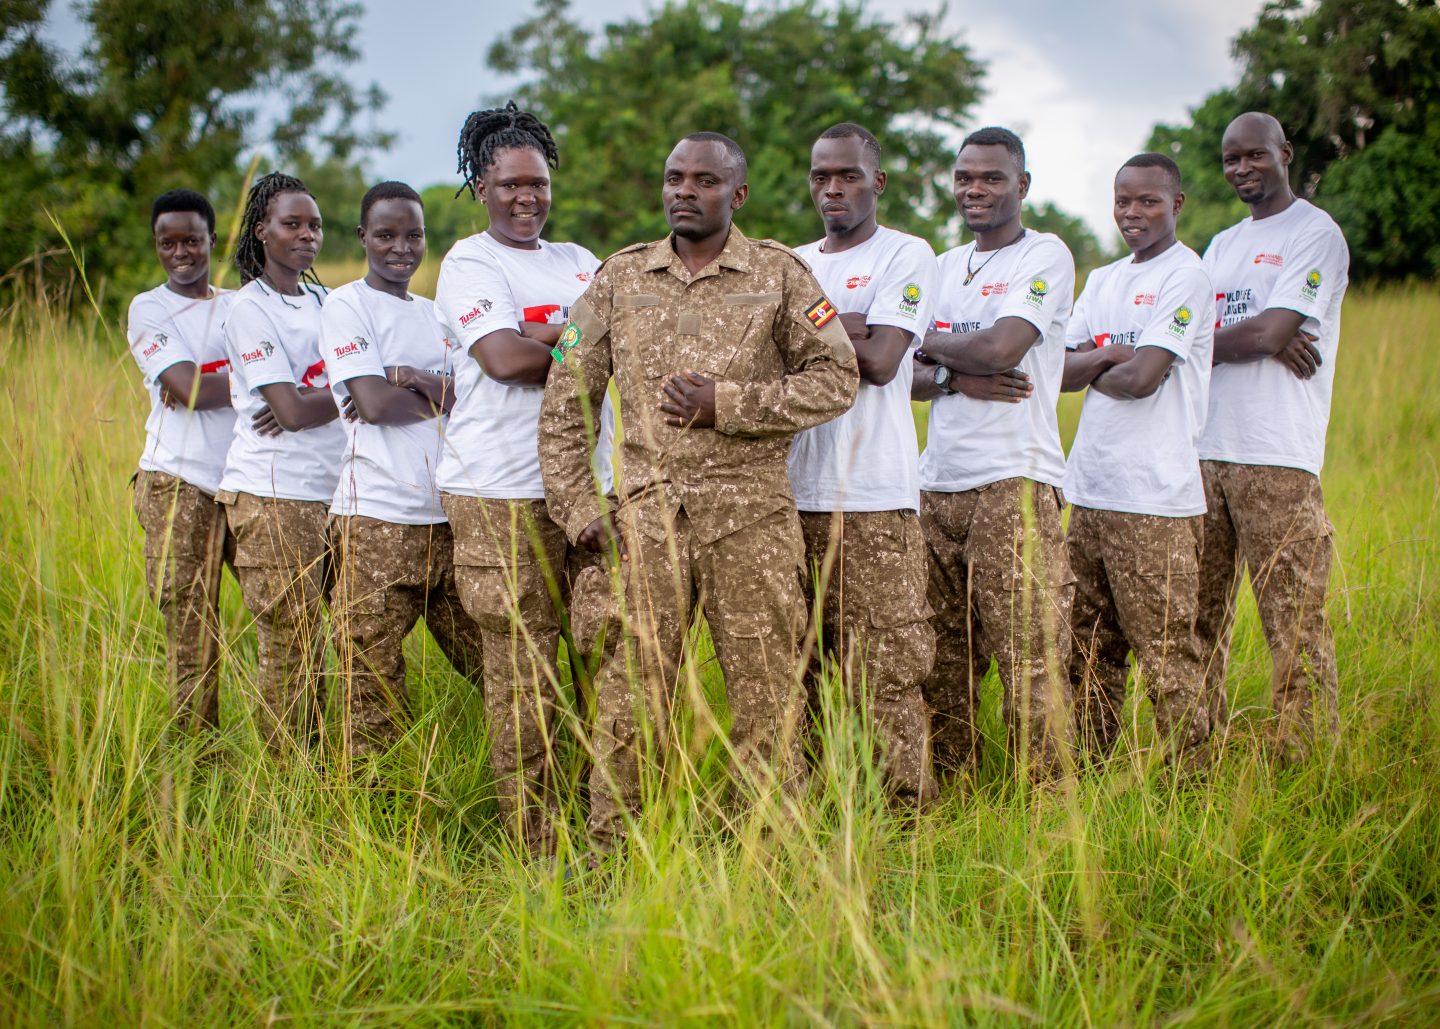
pixel 942 378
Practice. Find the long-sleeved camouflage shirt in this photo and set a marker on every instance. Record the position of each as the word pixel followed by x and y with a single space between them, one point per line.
pixel 756 321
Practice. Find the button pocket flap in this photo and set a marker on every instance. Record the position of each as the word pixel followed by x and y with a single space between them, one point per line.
pixel 752 299
pixel 636 300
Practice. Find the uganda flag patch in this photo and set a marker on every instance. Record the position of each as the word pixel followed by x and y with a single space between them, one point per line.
pixel 820 313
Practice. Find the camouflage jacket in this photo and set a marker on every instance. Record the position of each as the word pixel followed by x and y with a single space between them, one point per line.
pixel 756 321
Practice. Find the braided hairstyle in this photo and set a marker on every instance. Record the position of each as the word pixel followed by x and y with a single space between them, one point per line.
pixel 249 252
pixel 486 133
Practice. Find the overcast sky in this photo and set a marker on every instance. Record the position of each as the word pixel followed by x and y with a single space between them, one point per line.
pixel 1082 83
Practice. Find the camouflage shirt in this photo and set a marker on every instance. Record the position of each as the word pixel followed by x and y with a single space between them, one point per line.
pixel 754 320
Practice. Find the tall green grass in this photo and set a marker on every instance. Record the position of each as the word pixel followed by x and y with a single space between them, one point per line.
pixel 141 887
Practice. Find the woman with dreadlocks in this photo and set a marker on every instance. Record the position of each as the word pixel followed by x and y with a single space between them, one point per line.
pixel 505 295
pixel 283 464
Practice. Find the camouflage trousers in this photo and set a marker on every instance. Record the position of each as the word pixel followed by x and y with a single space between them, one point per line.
pixel 749 585
pixel 1272 521
pixel 186 543
pixel 528 589
pixel 871 571
pixel 388 577
pixel 282 560
pixel 1000 587
pixel 1136 589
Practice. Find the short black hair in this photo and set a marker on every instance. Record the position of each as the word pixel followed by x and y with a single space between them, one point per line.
pixel 994 135
pixel 1153 160
pixel 387 191
pixel 732 149
pixel 486 133
pixel 849 130
pixel 182 200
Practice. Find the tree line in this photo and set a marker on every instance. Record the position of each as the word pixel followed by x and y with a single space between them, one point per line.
pixel 184 92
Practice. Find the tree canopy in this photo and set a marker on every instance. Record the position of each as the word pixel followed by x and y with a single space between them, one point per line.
pixel 771 77
pixel 1356 85
pixel 165 93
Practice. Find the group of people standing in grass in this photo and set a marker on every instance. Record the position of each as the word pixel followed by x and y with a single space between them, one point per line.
pixel 392 458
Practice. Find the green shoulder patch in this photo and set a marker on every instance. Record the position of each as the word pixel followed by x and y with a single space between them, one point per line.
pixel 569 340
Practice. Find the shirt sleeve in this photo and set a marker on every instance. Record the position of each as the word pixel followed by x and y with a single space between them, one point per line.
pixel 347 342
pixel 570 414
pixel 1317 266
pixel 474 297
pixel 821 374
pixel 1043 283
pixel 154 342
pixel 1181 307
pixel 1077 330
pixel 254 347
pixel 905 295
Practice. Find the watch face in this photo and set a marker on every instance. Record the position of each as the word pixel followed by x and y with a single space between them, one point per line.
pixel 942 377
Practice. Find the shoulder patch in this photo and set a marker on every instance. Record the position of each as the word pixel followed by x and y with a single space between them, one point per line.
pixel 820 313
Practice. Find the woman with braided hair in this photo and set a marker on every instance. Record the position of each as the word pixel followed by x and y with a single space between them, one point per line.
pixel 283 463
pixel 505 295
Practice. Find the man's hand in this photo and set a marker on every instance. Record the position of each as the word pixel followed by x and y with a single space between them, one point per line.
pixel 1300 355
pixel 264 422
pixel 599 535
pixel 1007 387
pixel 855 325
pixel 689 401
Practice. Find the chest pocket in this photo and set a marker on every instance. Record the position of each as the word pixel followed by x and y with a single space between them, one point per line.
pixel 641 332
pixel 736 339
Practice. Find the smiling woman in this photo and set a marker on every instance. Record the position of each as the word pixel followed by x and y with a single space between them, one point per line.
pixel 283 464
pixel 505 296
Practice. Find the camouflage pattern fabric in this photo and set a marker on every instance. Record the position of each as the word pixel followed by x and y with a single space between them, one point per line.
pixel 517 574
pixel 749 586
pixel 707 513
pixel 1272 521
pixel 186 543
pixel 388 577
pixel 1000 587
pixel 871 573
pixel 282 560
pixel 1137 584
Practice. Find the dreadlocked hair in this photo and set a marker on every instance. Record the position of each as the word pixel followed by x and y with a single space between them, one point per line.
pixel 486 133
pixel 249 252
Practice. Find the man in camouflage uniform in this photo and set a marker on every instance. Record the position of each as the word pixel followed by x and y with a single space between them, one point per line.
pixel 740 348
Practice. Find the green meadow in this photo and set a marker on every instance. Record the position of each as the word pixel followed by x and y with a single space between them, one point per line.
pixel 141 886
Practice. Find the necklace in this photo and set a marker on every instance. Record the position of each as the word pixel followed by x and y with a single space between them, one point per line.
pixel 976 271
pixel 265 280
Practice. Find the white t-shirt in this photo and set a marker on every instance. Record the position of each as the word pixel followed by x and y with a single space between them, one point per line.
pixel 973 443
pixel 868 458
pixel 492 442
pixel 1138 456
pixel 387 471
pixel 1260 413
pixel 272 338
pixel 165 329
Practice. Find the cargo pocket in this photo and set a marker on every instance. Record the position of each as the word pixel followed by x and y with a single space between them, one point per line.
pixel 897 588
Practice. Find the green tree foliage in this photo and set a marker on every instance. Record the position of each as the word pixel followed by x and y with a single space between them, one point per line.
pixel 772 77
pixel 1084 247
pixel 1356 84
pixel 165 93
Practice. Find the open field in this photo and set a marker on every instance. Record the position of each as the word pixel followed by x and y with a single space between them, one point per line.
pixel 246 893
